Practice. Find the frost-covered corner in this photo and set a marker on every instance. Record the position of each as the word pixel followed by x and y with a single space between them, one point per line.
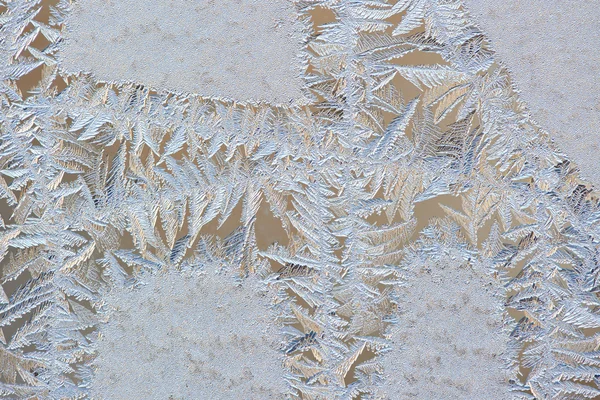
pixel 413 153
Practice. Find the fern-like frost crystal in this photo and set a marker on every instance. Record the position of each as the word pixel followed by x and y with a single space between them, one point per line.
pixel 410 202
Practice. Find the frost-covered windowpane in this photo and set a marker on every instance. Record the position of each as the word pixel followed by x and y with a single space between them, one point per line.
pixel 359 210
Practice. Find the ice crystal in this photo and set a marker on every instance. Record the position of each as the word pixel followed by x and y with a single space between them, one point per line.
pixel 413 152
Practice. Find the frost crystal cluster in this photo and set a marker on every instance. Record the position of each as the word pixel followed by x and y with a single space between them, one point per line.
pixel 409 202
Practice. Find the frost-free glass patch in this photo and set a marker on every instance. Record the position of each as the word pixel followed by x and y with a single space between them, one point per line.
pixel 410 203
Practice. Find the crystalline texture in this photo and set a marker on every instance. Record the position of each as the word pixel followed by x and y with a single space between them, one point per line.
pixel 242 50
pixel 414 152
pixel 211 339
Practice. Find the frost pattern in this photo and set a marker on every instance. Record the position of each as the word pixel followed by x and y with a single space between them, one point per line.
pixel 414 146
pixel 149 350
pixel 241 49
pixel 450 342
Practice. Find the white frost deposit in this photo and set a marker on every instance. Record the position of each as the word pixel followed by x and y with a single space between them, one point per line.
pixel 189 337
pixel 237 49
pixel 551 49
pixel 449 343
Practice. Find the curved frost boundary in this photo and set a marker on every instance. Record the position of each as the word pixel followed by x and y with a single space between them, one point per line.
pixel 182 335
pixel 551 52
